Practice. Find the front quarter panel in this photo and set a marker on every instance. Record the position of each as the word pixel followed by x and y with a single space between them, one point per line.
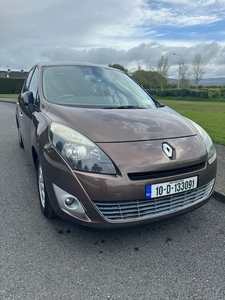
pixel 40 132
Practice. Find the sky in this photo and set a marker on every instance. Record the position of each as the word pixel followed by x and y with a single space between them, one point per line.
pixel 128 32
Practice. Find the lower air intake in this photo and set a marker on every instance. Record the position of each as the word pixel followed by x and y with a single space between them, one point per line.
pixel 131 210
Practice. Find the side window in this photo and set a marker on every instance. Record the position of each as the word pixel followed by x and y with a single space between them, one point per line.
pixel 27 81
pixel 33 84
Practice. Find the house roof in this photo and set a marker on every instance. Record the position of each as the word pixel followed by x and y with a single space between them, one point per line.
pixel 13 74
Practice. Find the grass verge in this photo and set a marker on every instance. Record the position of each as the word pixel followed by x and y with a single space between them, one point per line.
pixel 9 96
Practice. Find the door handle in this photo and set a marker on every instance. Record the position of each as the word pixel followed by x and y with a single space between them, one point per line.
pixel 21 114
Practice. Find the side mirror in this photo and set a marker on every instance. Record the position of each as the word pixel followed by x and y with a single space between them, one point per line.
pixel 28 100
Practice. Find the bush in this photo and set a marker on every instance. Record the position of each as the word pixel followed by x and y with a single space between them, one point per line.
pixel 185 92
pixel 151 92
pixel 11 85
pixel 201 94
pixel 214 93
pixel 163 93
pixel 222 93
pixel 192 93
pixel 189 94
pixel 174 93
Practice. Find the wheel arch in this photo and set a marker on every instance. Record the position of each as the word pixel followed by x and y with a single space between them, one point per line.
pixel 34 156
pixel 17 122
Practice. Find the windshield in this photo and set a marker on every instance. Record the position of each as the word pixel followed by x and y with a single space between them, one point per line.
pixel 92 86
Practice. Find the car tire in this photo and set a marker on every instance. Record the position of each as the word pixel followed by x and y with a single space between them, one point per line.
pixel 20 137
pixel 45 204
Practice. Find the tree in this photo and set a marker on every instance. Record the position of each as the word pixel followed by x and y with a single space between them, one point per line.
pixel 183 74
pixel 118 66
pixel 148 79
pixel 141 77
pixel 163 68
pixel 197 70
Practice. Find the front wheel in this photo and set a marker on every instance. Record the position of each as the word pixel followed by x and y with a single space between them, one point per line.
pixel 45 204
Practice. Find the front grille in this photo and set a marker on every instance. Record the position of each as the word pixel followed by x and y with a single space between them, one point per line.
pixel 167 173
pixel 132 210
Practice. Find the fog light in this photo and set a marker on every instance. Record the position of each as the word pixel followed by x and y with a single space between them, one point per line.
pixel 69 201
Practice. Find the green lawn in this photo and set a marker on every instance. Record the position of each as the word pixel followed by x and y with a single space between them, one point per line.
pixel 9 96
pixel 209 115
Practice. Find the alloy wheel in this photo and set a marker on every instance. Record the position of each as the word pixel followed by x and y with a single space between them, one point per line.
pixel 41 185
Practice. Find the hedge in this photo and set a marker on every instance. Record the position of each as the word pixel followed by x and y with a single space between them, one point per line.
pixel 151 92
pixel 11 85
pixel 206 93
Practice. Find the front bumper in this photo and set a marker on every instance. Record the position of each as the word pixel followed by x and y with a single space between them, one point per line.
pixel 114 201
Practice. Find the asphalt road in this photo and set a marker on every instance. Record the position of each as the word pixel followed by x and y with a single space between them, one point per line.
pixel 182 258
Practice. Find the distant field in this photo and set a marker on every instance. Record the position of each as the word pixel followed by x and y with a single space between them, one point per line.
pixel 209 115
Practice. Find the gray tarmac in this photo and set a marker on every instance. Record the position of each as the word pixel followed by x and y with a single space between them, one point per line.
pixel 220 180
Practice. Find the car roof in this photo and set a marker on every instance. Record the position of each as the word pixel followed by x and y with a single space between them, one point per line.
pixel 69 63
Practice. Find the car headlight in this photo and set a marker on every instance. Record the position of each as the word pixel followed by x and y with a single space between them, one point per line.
pixel 207 141
pixel 80 152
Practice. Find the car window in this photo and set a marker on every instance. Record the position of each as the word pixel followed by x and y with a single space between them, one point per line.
pixel 92 86
pixel 34 84
pixel 27 81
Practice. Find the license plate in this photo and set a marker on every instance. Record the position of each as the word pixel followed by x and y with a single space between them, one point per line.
pixel 170 187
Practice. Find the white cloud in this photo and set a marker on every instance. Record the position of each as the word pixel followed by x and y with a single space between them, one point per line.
pixel 101 31
pixel 190 2
pixel 169 17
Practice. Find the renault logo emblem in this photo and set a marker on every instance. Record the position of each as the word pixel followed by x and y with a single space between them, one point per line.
pixel 168 150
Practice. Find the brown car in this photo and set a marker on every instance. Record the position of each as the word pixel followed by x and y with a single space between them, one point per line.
pixel 107 154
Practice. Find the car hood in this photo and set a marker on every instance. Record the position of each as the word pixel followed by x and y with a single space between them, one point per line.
pixel 122 125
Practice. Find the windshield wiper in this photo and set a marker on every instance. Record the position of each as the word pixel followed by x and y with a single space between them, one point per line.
pixel 124 107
